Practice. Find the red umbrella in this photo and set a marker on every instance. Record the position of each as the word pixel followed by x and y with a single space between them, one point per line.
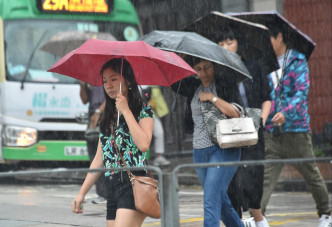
pixel 151 66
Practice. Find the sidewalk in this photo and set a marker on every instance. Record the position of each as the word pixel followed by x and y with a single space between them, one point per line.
pixel 49 206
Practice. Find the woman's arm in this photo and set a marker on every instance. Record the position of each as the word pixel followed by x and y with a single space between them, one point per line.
pixel 225 107
pixel 83 93
pixel 266 107
pixel 89 181
pixel 141 131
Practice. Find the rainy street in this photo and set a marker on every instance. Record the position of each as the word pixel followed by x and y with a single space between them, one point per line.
pixel 191 111
pixel 48 205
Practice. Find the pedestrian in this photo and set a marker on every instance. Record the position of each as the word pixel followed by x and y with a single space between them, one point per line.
pixel 212 90
pixel 246 189
pixel 132 135
pixel 288 133
pixel 160 109
pixel 95 97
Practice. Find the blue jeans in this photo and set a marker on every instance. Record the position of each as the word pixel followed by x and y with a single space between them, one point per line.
pixel 215 181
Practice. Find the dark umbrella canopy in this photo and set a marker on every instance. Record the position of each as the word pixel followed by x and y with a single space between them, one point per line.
pixel 195 45
pixel 63 42
pixel 294 37
pixel 254 38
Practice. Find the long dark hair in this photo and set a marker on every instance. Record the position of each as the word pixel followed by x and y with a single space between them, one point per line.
pixel 135 100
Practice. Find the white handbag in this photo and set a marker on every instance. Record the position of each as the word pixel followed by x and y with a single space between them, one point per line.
pixel 236 132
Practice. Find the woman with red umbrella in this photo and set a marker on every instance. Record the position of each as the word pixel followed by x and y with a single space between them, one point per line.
pixel 132 133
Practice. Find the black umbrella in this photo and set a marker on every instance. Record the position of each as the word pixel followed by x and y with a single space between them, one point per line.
pixel 254 38
pixel 63 42
pixel 194 45
pixel 294 37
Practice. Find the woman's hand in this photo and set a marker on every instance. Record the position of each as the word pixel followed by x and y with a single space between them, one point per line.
pixel 121 103
pixel 206 96
pixel 77 204
pixel 279 119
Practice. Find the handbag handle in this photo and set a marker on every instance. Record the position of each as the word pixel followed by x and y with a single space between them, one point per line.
pixel 123 161
pixel 239 109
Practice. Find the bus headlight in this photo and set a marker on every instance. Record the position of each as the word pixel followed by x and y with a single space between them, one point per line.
pixel 18 136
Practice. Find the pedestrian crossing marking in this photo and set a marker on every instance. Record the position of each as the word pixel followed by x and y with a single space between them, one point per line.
pixel 272 223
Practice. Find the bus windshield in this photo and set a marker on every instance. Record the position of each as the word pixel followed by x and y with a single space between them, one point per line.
pixel 22 37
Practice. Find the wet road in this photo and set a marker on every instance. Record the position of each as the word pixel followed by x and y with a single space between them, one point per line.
pixel 49 206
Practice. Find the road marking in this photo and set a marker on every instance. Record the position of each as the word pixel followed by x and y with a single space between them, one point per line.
pixel 292 214
pixel 277 223
pixel 273 223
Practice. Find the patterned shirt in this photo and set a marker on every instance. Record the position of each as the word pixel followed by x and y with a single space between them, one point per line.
pixel 131 154
pixel 295 89
pixel 201 136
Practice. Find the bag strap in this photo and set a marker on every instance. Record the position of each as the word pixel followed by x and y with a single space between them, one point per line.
pixel 282 76
pixel 123 161
pixel 239 109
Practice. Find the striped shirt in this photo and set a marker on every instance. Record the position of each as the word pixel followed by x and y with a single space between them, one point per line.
pixel 201 138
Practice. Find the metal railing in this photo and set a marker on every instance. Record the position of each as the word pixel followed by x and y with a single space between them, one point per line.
pixel 168 181
pixel 173 211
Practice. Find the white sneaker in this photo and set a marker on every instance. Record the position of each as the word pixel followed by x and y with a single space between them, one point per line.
pixel 99 200
pixel 249 222
pixel 325 221
pixel 161 161
pixel 262 223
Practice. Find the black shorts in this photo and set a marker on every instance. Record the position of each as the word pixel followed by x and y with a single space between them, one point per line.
pixel 120 193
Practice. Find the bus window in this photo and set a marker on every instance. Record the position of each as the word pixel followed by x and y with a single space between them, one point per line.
pixel 23 36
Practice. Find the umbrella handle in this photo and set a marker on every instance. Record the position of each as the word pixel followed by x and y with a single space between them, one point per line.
pixel 117 123
pixel 173 107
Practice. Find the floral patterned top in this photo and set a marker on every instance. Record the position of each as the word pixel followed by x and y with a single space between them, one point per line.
pixel 131 154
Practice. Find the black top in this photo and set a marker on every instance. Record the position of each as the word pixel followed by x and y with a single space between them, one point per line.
pixel 258 89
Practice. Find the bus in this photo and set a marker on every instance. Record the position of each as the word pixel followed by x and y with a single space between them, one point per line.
pixel 41 112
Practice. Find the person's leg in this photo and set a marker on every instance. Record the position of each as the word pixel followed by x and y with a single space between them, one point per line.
pixel 159 143
pixel 201 156
pixel 254 177
pixel 129 218
pixel 235 192
pixel 110 223
pixel 101 183
pixel 273 147
pixel 228 215
pixel 215 181
pixel 208 179
pixel 310 172
pixel 225 174
pixel 158 133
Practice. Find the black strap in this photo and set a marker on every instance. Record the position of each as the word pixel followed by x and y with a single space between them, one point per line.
pixel 283 69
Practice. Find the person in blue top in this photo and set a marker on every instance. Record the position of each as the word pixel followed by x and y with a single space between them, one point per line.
pixel 133 134
pixel 288 133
